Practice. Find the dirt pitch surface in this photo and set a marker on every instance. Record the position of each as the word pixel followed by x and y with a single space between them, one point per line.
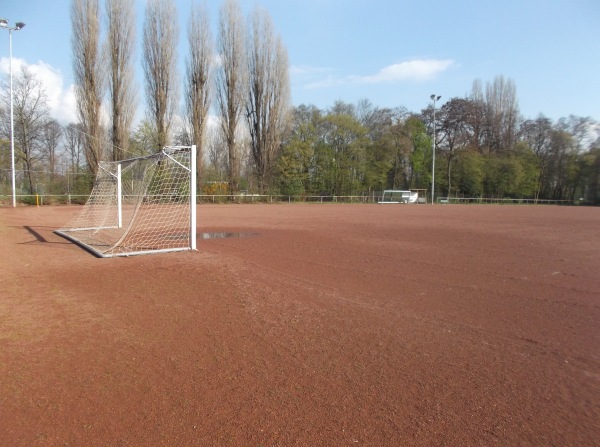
pixel 332 325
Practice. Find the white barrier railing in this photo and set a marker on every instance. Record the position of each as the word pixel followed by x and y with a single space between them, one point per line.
pixel 500 201
pixel 51 199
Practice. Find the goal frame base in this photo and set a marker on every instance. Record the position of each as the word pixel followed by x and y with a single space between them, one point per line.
pixel 100 254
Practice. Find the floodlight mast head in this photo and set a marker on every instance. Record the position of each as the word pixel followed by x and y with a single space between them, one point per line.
pixel 17 27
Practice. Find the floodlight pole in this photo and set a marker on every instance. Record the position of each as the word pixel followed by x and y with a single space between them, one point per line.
pixel 17 27
pixel 434 99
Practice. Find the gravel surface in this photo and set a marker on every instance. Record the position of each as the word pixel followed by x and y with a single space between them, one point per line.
pixel 326 325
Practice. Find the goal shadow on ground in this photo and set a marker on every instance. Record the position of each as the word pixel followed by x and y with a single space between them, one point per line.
pixel 39 237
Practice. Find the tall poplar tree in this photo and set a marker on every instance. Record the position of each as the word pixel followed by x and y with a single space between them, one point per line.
pixel 160 66
pixel 231 81
pixel 89 76
pixel 198 80
pixel 120 47
pixel 267 107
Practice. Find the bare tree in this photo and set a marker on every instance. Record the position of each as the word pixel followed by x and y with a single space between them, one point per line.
pixel 502 114
pixel 120 46
pixel 160 66
pixel 268 105
pixel 31 113
pixel 476 116
pixel 182 132
pixel 583 129
pixel 216 151
pixel 198 80
pixel 51 137
pixel 454 116
pixel 538 135
pixel 73 141
pixel 367 113
pixel 87 70
pixel 231 83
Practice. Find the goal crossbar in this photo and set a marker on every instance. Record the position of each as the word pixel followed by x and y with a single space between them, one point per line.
pixel 399 196
pixel 140 206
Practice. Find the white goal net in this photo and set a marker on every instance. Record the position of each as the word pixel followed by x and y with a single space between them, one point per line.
pixel 139 206
pixel 399 196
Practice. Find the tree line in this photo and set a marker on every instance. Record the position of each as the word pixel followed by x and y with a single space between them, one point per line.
pixel 484 148
pixel 236 110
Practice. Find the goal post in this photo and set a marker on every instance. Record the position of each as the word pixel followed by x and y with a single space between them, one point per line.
pixel 399 196
pixel 140 206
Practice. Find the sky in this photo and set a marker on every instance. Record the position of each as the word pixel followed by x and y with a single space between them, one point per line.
pixel 395 53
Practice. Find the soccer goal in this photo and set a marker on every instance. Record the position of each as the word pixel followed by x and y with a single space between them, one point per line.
pixel 398 196
pixel 139 206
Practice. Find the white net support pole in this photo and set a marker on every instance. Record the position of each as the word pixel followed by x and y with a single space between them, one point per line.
pixel 193 187
pixel 119 197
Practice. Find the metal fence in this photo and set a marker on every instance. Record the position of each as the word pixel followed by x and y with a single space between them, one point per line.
pixel 279 198
pixel 69 199
pixel 504 201
pixel 45 199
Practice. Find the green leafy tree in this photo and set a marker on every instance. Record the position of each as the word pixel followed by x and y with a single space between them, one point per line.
pixel 296 170
pixel 557 173
pixel 470 173
pixel 5 166
pixel 397 155
pixel 346 140
pixel 512 176
pixel 379 162
pixel 293 167
pixel 421 153
pixel 143 139
pixel 502 176
pixel 380 153
pixel 528 160
pixel 537 135
pixel 590 187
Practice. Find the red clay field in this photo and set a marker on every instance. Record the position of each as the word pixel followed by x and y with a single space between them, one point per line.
pixel 329 325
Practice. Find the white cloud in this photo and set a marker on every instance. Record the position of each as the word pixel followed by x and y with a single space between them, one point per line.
pixel 413 70
pixel 61 100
